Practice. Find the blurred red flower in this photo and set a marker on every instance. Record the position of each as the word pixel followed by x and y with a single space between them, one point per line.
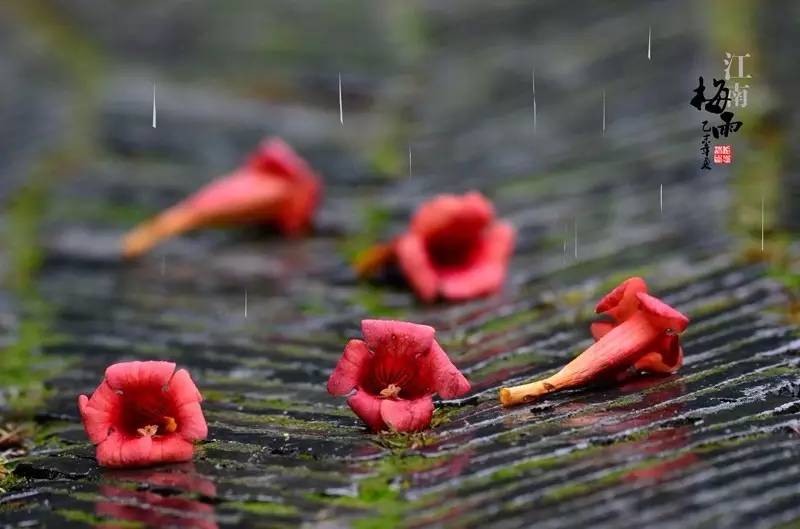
pixel 395 371
pixel 455 248
pixel 275 186
pixel 143 413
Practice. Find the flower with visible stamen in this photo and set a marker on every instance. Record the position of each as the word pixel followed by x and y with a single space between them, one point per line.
pixel 392 375
pixel 643 336
pixel 143 413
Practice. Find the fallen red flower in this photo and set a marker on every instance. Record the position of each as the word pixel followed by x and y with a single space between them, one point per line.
pixel 643 336
pixel 395 371
pixel 143 413
pixel 275 186
pixel 454 248
pixel 622 303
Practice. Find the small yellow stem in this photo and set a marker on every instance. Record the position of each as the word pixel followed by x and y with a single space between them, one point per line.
pixel 371 260
pixel 525 392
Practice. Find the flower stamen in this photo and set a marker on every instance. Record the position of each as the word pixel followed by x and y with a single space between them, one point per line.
pixel 148 431
pixel 392 391
pixel 169 424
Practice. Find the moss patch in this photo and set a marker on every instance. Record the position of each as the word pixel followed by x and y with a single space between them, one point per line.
pixel 75 515
pixel 263 507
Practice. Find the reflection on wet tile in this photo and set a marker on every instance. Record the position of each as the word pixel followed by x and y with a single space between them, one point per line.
pixel 173 497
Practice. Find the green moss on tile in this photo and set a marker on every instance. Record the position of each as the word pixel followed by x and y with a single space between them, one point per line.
pixel 380 494
pixel 706 447
pixel 252 404
pixel 580 489
pixel 387 158
pixel 75 515
pixel 403 440
pixel 444 414
pixel 263 507
pixel 281 421
pixel 8 480
pixel 373 222
pixel 372 301
pixel 543 463
pixel 513 320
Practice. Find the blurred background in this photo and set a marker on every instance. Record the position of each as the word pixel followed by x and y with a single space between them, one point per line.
pixel 603 181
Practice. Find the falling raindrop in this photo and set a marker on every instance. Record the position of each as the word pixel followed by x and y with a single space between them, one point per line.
pixel 533 87
pixel 245 304
pixel 341 111
pixel 154 105
pixel 661 197
pixel 604 112
pixel 576 238
pixel 649 33
pixel 762 220
pixel 409 160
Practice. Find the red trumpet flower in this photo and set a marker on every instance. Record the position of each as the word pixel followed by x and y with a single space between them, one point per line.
pixel 395 371
pixel 643 336
pixel 143 413
pixel 275 186
pixel 455 248
pixel 622 303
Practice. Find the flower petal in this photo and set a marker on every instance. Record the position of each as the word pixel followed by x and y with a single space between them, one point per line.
pixel 486 271
pixel 412 257
pixel 296 213
pixel 121 451
pixel 191 422
pixel 368 409
pixel 278 160
pixel 668 357
pixel 139 375
pixel 600 328
pixel 349 369
pixel 242 196
pixel 457 215
pixel 171 448
pixel 407 415
pixel 96 422
pixel 448 381
pixel 399 339
pixel 183 389
pixel 623 294
pixel 99 411
pixel 662 313
pixel 276 156
pixel 104 398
